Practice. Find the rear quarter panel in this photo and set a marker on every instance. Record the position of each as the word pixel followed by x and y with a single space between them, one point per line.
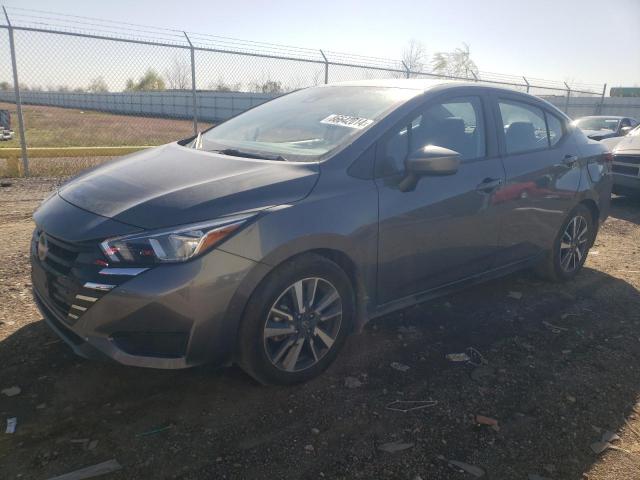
pixel 596 180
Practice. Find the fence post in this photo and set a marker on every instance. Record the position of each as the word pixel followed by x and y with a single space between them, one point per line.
pixel 194 95
pixel 475 77
pixel 326 67
pixel 566 105
pixel 16 91
pixel 408 72
pixel 527 83
pixel 599 108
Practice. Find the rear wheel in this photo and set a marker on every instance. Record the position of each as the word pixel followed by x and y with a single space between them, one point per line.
pixel 571 246
pixel 296 321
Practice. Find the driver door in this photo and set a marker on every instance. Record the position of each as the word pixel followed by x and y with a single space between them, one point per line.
pixel 446 228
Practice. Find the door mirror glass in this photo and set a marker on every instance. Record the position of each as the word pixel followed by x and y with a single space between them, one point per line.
pixel 433 160
pixel 625 130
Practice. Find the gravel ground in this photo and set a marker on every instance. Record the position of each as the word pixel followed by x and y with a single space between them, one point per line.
pixel 561 369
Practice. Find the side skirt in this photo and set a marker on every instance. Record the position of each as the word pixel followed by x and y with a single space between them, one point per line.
pixel 452 287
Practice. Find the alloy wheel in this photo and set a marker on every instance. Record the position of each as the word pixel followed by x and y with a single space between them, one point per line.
pixel 574 244
pixel 303 324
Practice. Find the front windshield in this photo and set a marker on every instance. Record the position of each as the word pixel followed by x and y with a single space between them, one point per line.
pixel 635 132
pixel 305 125
pixel 598 123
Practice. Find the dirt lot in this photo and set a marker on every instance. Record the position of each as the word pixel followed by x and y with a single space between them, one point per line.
pixel 563 367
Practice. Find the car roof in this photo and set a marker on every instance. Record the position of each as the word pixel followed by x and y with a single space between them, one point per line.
pixel 603 116
pixel 409 83
pixel 424 85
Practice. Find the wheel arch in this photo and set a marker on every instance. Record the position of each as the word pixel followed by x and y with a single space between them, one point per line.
pixel 350 266
pixel 592 206
pixel 242 297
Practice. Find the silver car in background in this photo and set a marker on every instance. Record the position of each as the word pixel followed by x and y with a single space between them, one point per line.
pixel 599 127
pixel 626 162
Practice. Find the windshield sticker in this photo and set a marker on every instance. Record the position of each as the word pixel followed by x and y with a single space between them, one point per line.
pixel 347 121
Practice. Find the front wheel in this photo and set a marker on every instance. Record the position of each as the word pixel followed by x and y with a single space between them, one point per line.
pixel 296 321
pixel 571 246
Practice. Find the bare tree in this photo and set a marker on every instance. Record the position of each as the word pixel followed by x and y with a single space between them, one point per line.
pixel 269 86
pixel 179 75
pixel 455 64
pixel 222 86
pixel 414 56
pixel 97 85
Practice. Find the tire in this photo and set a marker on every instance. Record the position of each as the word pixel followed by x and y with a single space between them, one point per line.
pixel 556 266
pixel 312 337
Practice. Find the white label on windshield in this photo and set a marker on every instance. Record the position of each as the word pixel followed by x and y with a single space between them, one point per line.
pixel 347 121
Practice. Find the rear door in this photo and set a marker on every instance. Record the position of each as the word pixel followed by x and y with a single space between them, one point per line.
pixel 445 229
pixel 540 159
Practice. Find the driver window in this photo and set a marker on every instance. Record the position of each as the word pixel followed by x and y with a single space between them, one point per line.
pixel 524 127
pixel 456 124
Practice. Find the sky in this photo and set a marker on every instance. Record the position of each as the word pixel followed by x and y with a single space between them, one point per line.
pixel 583 41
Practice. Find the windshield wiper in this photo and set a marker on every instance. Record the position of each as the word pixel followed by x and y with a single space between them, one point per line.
pixel 241 153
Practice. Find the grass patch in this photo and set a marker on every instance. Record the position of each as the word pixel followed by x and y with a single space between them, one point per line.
pixel 68 127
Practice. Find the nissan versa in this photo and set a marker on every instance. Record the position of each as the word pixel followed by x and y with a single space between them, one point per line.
pixel 270 237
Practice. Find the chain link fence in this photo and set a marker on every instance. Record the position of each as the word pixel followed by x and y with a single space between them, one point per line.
pixel 91 89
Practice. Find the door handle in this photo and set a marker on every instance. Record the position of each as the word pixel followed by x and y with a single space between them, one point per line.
pixel 570 160
pixel 489 184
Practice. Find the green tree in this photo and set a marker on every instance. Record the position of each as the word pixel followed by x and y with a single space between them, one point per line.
pixel 151 80
pixel 455 64
pixel 4 86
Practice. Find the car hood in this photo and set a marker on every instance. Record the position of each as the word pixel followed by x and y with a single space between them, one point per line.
pixel 612 142
pixel 599 134
pixel 173 185
pixel 628 145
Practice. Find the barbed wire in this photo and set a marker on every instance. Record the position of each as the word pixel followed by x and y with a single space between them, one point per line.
pixel 55 22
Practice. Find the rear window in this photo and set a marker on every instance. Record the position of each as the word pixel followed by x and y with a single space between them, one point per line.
pixel 597 123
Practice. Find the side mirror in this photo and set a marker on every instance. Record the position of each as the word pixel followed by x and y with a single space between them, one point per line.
pixel 433 160
pixel 625 130
pixel 429 160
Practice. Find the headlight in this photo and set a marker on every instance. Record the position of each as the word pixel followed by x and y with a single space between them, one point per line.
pixel 171 245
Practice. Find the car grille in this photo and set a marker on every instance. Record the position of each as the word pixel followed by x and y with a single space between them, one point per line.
pixel 60 275
pixel 626 165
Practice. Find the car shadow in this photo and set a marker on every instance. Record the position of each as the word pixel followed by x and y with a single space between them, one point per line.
pixel 626 208
pixel 561 363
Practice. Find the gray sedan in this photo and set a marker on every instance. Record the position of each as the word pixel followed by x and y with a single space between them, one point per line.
pixel 269 238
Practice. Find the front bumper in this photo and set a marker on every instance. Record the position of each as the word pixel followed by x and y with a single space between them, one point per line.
pixel 626 172
pixel 625 183
pixel 170 316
